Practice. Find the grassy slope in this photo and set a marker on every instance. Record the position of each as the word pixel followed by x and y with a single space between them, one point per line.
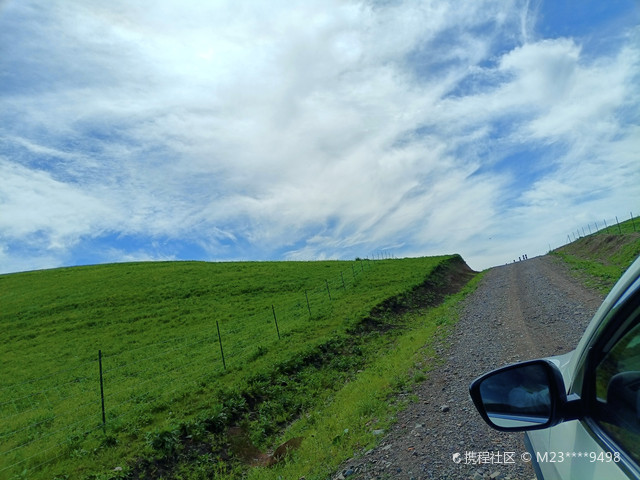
pixel 164 383
pixel 600 259
pixel 367 403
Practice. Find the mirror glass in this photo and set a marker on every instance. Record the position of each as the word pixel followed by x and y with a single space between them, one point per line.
pixel 518 397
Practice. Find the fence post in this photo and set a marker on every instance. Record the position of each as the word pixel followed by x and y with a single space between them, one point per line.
pixel 353 270
pixel 344 287
pixel 606 227
pixel 104 418
pixel 328 291
pixel 633 222
pixel 224 364
pixel 619 229
pixel 308 306
pixel 273 309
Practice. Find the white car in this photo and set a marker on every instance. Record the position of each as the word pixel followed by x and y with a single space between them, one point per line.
pixel 581 410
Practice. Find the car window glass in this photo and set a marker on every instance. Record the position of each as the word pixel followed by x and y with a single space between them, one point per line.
pixel 632 290
pixel 617 385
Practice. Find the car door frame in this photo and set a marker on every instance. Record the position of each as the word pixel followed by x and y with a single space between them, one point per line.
pixel 615 324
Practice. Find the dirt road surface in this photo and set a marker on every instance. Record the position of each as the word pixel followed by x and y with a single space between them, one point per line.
pixel 520 311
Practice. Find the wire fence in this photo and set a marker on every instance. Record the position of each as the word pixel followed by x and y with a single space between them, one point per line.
pixel 74 411
pixel 611 226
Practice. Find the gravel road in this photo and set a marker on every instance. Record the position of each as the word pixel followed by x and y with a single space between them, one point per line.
pixel 520 311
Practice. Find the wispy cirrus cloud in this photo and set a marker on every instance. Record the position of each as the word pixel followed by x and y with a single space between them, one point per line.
pixel 321 130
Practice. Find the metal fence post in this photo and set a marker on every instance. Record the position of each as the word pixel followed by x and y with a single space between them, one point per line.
pixel 273 309
pixel 308 306
pixel 104 418
pixel 224 364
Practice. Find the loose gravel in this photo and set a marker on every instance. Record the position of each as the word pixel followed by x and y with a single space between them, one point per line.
pixel 520 311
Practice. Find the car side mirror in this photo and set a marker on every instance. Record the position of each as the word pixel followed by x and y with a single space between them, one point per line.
pixel 519 397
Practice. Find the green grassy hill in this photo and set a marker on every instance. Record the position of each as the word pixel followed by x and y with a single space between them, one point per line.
pixel 295 337
pixel 600 259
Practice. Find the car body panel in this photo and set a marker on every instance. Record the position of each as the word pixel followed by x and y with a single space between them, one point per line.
pixel 568 438
pixel 564 363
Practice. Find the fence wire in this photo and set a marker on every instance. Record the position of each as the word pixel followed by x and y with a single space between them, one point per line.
pixel 66 404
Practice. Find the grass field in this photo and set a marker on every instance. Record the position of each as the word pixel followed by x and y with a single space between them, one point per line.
pixel 169 400
pixel 601 258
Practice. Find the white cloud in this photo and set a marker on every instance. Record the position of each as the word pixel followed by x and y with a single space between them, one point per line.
pixel 33 203
pixel 316 129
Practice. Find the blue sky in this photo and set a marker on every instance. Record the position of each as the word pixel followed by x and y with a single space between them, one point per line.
pixel 170 130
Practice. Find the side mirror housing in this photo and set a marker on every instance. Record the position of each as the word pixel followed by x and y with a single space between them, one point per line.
pixel 524 396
